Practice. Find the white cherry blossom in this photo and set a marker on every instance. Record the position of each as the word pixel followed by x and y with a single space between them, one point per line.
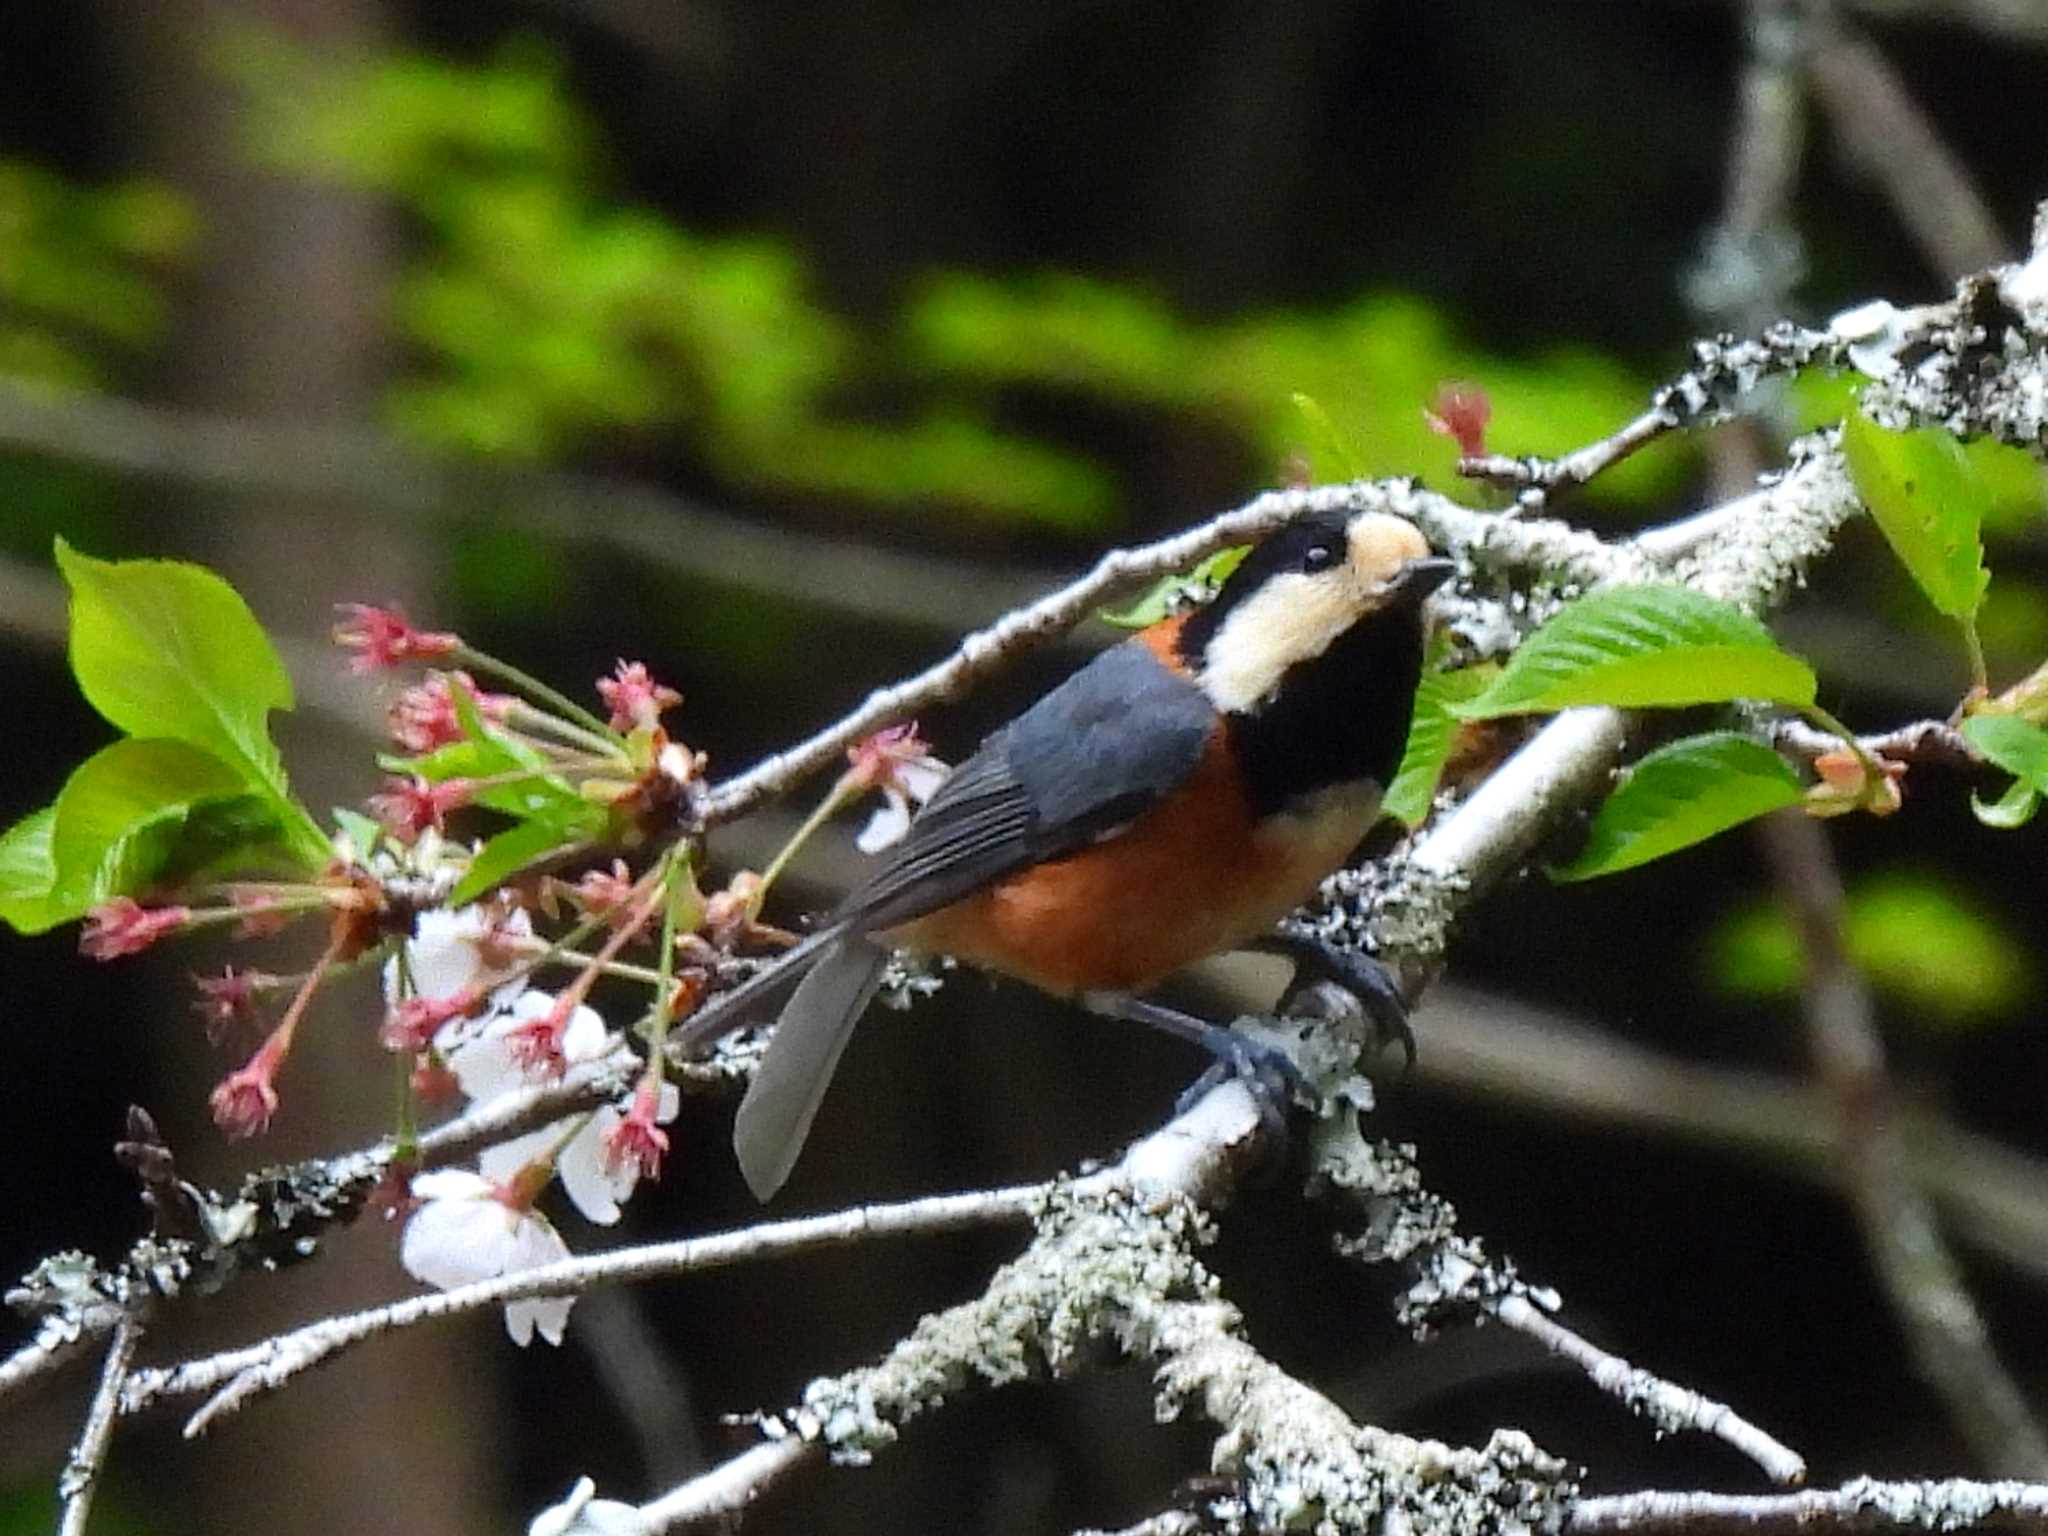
pixel 465 1230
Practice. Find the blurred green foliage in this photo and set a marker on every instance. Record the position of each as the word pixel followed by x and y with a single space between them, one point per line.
pixel 1919 941
pixel 81 268
pixel 1372 366
pixel 547 318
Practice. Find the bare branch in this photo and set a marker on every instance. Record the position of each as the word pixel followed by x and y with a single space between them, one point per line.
pixel 81 1477
pixel 1864 1505
pixel 1665 1403
pixel 265 1366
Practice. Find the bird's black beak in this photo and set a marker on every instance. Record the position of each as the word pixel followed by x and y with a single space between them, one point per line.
pixel 1418 578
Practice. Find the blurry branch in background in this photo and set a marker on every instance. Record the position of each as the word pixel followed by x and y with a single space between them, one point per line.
pixel 1950 1345
pixel 1749 269
pixel 630 520
pixel 2020 20
pixel 1896 145
pixel 1511 1052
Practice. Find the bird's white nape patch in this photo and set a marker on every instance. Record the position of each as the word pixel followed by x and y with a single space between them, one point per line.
pixel 1297 615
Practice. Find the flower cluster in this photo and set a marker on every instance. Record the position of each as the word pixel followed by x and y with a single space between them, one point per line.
pixel 477 1016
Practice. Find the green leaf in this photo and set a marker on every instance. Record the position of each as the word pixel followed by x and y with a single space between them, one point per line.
pixel 27 872
pixel 1328 443
pixel 143 811
pixel 2011 810
pixel 359 829
pixel 1169 594
pixel 1930 502
pixel 2021 749
pixel 1648 646
pixel 166 649
pixel 505 855
pixel 1432 731
pixel 530 791
pixel 1680 795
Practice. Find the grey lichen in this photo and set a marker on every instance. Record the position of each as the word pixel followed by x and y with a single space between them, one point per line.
pixel 1391 908
pixel 1101 1261
pixel 1977 365
pixel 1300 1464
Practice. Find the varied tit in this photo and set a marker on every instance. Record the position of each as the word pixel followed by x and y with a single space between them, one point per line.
pixel 1173 799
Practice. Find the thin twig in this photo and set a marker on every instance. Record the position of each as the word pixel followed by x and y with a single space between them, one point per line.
pixel 1574 469
pixel 1863 1505
pixel 269 1364
pixel 81 1476
pixel 1950 1345
pixel 1665 1403
pixel 1922 741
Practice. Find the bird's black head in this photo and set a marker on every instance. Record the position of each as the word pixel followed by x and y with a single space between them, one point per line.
pixel 1313 648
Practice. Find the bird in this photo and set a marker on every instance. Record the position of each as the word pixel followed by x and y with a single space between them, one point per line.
pixel 1173 799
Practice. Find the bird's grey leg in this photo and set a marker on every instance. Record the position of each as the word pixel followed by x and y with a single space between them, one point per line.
pixel 1275 1081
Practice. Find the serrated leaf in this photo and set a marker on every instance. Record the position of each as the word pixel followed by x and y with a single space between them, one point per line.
pixel 27 872
pixel 164 649
pixel 1930 502
pixel 1683 794
pixel 1169 594
pixel 142 811
pixel 2021 749
pixel 1327 441
pixel 1432 731
pixel 1644 647
pixel 505 854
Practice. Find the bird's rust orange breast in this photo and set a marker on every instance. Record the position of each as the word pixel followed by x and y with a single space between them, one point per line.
pixel 1189 878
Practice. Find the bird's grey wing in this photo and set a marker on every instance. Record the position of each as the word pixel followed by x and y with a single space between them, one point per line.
pixel 1109 742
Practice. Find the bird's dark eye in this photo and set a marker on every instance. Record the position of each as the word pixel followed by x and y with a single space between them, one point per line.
pixel 1318 557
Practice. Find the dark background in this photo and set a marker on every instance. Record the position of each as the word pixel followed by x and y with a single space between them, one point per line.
pixel 1539 175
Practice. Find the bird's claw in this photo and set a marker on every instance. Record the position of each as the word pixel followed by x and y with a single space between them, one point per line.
pixel 1362 975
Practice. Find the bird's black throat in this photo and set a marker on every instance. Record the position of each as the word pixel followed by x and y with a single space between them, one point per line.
pixel 1337 718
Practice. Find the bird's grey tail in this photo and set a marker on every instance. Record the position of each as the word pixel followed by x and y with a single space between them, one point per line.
pixel 732 1010
pixel 789 1085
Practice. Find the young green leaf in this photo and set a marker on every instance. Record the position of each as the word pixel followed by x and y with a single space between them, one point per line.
pixel 1431 732
pixel 1680 795
pixel 2021 749
pixel 504 855
pixel 166 649
pixel 1328 444
pixel 141 811
pixel 361 830
pixel 27 872
pixel 1644 647
pixel 1930 502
